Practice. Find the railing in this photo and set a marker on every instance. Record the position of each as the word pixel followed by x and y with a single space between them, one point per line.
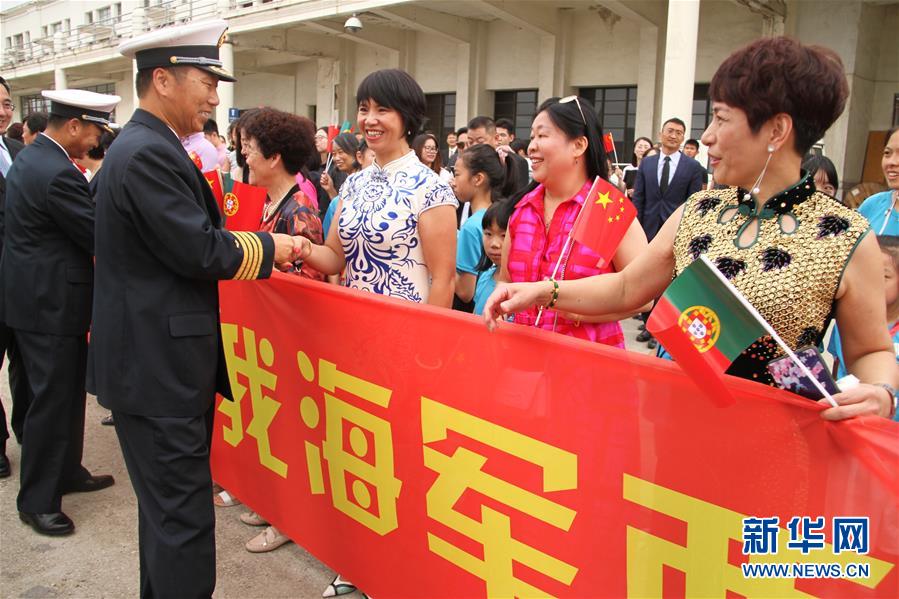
pixel 107 33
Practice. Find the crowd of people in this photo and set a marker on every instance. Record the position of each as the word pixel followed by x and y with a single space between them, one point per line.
pixel 480 223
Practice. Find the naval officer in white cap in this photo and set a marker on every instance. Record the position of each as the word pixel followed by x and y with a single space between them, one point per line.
pixel 47 278
pixel 156 354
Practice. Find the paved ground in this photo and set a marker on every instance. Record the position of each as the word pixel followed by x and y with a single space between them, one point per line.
pixel 100 559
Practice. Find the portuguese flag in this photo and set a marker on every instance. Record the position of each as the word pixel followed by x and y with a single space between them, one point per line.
pixel 243 207
pixel 704 322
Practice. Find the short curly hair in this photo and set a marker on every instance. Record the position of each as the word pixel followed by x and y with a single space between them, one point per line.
pixel 278 132
pixel 781 75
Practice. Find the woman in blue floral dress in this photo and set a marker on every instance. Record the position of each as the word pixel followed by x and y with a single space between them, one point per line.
pixel 395 229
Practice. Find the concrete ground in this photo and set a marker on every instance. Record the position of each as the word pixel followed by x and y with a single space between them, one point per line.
pixel 100 559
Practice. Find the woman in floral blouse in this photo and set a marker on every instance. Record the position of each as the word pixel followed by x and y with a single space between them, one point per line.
pixel 276 145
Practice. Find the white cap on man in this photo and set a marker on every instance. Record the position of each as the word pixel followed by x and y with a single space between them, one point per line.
pixel 194 44
pixel 82 104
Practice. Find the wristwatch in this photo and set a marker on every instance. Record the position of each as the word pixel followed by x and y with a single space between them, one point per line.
pixel 894 400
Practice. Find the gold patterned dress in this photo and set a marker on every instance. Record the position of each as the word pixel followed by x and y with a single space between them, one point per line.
pixel 786 257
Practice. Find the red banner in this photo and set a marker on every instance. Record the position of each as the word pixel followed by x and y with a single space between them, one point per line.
pixel 421 456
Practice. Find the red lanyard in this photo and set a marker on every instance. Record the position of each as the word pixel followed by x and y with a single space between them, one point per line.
pixel 894 329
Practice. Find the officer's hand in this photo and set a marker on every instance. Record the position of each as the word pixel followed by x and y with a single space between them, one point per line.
pixel 286 249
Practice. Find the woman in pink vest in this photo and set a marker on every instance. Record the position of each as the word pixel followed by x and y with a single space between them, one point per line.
pixel 567 154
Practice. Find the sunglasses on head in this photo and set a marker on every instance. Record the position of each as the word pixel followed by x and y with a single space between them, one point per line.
pixel 574 99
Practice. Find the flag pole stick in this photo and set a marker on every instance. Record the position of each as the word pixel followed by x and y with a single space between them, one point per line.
pixel 566 247
pixel 770 330
pixel 556 270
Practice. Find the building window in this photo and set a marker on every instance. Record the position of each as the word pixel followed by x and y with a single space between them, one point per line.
pixel 441 115
pixel 702 110
pixel 103 14
pixel 18 40
pixel 88 18
pixel 519 106
pixel 34 103
pixel 616 108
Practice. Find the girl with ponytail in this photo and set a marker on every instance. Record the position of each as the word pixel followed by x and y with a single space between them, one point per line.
pixel 481 178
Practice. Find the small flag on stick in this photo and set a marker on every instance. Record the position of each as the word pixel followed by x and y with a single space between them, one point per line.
pixel 706 323
pixel 242 207
pixel 333 131
pixel 604 220
pixel 214 178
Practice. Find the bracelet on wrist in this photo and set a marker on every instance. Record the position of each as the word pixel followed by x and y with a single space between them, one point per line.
pixel 893 399
pixel 554 296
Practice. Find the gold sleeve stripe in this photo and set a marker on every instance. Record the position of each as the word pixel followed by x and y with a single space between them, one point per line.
pixel 253 252
pixel 258 251
pixel 238 240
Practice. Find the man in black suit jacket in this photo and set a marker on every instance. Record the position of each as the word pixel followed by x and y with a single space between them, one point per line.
pixel 156 356
pixel 656 199
pixel 9 148
pixel 46 275
pixel 664 182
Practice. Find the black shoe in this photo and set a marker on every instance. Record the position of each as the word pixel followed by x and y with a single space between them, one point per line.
pixel 89 484
pixel 641 326
pixel 4 466
pixel 108 420
pixel 644 336
pixel 652 344
pixel 55 524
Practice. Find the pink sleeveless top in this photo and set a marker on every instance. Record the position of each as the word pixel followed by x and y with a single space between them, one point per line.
pixel 534 252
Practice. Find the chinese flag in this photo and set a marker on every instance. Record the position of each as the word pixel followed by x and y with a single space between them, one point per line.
pixel 605 218
pixel 242 207
pixel 214 178
pixel 333 131
pixel 608 142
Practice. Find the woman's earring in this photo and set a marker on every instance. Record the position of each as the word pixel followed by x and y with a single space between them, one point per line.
pixel 770 149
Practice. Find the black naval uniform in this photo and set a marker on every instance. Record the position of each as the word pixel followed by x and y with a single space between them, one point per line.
pixel 17 381
pixel 156 352
pixel 47 274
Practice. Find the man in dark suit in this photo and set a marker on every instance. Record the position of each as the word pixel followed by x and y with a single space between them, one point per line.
pixel 664 182
pixel 156 356
pixel 9 148
pixel 46 276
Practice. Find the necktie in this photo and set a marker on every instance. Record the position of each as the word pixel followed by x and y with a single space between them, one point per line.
pixel 666 170
pixel 4 163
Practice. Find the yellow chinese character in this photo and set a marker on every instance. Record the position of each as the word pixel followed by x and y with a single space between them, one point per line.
pixel 264 407
pixel 366 467
pixel 464 470
pixel 704 559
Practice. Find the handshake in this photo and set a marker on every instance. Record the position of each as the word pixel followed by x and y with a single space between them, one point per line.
pixel 290 249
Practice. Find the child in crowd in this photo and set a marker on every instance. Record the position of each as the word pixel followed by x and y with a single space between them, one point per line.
pixel 481 178
pixel 889 247
pixel 494 224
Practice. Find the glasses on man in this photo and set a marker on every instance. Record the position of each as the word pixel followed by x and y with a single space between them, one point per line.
pixel 673 132
pixel 9 106
pixel 460 144
pixel 575 99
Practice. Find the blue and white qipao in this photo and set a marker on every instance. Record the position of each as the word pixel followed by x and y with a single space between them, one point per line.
pixel 378 226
